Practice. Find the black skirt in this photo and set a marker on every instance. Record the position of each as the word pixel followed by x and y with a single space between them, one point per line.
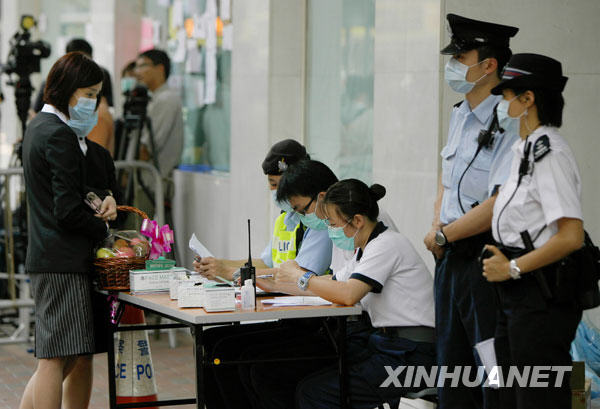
pixel 64 324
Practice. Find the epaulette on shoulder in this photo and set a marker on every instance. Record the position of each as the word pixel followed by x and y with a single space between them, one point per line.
pixel 541 147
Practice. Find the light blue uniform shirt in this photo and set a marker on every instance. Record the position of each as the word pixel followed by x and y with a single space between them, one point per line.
pixel 315 251
pixel 490 168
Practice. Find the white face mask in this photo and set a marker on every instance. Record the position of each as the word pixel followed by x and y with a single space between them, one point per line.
pixel 507 122
pixel 455 74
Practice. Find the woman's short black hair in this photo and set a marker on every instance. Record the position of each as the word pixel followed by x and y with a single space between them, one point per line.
pixel 305 178
pixel 549 104
pixel 72 71
pixel 352 197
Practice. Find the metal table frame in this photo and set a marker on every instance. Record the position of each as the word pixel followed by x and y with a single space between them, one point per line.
pixel 197 330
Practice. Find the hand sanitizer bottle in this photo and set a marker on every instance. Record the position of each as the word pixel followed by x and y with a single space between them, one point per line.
pixel 248 300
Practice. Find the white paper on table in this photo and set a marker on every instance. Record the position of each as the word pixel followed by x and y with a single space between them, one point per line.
pixel 227 37
pixel 225 11
pixel 198 247
pixel 487 355
pixel 296 301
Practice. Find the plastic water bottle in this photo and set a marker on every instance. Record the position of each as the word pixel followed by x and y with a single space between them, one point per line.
pixel 248 300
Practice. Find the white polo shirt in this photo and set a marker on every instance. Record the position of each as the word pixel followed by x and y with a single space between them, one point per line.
pixel 549 191
pixel 402 288
pixel 340 257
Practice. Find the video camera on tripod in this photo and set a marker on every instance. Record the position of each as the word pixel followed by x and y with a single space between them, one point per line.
pixel 24 59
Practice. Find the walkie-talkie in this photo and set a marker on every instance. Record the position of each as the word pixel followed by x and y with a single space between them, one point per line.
pixel 248 271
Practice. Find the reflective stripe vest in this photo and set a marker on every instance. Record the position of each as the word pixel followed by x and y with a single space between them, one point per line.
pixel 284 242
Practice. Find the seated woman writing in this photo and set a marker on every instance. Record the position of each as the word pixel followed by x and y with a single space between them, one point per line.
pixel 390 281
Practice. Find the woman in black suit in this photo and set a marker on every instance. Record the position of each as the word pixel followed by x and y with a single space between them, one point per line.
pixel 62 233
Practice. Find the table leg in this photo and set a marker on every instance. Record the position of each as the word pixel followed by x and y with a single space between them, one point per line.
pixel 112 388
pixel 199 355
pixel 343 366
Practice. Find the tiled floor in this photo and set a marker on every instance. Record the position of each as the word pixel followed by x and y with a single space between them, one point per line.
pixel 174 369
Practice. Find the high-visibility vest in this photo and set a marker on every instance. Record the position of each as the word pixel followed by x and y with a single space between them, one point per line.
pixel 285 243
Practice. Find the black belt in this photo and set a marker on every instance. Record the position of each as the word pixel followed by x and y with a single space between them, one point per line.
pixel 417 334
pixel 471 246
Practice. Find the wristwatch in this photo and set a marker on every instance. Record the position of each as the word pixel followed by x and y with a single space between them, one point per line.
pixel 303 280
pixel 440 238
pixel 514 271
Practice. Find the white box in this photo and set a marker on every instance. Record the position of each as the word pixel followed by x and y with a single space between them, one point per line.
pixel 219 299
pixel 177 278
pixel 151 281
pixel 190 295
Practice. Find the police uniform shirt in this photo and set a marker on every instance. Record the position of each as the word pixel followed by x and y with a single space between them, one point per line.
pixel 315 252
pixel 550 190
pixel 402 287
pixel 340 257
pixel 489 169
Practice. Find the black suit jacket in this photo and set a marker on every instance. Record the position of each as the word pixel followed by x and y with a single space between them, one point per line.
pixel 101 175
pixel 62 228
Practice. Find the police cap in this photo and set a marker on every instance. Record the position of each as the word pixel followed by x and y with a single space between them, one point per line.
pixel 283 154
pixel 468 34
pixel 531 71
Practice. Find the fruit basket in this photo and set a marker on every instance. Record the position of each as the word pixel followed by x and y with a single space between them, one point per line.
pixel 123 251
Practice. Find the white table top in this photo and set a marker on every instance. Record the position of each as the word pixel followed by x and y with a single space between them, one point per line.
pixel 162 303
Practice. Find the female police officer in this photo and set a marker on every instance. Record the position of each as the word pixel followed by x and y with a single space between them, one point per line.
pixel 537 222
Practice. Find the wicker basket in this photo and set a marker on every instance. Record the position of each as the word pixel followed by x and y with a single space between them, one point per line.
pixel 113 273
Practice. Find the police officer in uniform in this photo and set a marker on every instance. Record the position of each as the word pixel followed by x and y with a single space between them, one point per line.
pixel 465 312
pixel 537 223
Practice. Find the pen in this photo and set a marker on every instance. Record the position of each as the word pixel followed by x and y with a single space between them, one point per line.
pixel 265 276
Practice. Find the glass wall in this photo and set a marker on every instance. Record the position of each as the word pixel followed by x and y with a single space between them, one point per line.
pixel 197 34
pixel 339 98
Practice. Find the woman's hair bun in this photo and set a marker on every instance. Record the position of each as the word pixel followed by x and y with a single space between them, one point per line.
pixel 377 191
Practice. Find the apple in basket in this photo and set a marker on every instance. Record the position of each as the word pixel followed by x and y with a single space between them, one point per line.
pixel 103 252
pixel 125 252
pixel 120 243
pixel 140 246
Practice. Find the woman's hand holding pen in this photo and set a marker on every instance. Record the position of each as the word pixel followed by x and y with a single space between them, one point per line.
pixel 288 272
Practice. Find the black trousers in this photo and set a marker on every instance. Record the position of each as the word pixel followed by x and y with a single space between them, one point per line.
pixel 534 331
pixel 367 374
pixel 465 314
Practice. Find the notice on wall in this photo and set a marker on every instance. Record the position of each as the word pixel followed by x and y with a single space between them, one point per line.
pixel 146 34
pixel 225 10
pixel 227 43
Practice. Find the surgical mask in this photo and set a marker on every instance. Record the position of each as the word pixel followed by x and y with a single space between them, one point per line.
pixel 339 238
pixel 283 205
pixel 312 221
pixel 127 84
pixel 455 74
pixel 83 116
pixel 507 122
